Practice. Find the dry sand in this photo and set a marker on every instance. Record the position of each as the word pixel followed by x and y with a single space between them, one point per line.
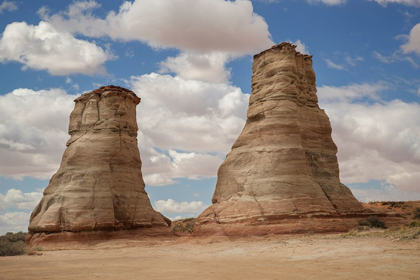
pixel 285 257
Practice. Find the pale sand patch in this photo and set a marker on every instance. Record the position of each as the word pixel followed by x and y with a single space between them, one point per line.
pixel 285 257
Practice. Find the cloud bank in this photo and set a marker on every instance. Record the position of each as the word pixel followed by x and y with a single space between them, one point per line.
pixel 33 131
pixel 186 128
pixel 376 139
pixel 205 44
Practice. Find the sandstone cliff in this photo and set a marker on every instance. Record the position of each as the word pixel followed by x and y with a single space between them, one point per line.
pixel 282 174
pixel 98 191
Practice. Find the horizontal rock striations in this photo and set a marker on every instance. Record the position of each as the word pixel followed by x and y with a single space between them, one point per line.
pixel 98 191
pixel 282 174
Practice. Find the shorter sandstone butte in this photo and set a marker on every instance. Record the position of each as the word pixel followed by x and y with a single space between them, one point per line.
pixel 98 193
pixel 282 174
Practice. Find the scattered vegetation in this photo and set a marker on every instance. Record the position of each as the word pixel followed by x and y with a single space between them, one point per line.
pixel 184 225
pixel 412 231
pixel 12 244
pixel 348 234
pixel 408 209
pixel 396 204
pixel 417 213
pixel 373 222
pixel 414 224
pixel 407 232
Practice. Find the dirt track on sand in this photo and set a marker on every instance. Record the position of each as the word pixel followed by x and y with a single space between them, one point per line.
pixel 286 257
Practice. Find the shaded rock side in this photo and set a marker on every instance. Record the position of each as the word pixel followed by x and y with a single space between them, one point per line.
pixel 282 174
pixel 99 185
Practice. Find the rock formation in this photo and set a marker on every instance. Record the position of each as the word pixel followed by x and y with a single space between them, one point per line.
pixel 282 174
pixel 98 192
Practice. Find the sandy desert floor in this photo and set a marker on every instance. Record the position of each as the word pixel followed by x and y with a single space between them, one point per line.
pixel 285 257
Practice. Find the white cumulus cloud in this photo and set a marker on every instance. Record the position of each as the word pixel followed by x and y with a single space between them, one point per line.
pixel 328 2
pixel 301 47
pixel 377 140
pixel 406 180
pixel 177 165
pixel 186 128
pixel 205 67
pixel 413 44
pixel 199 26
pixel 384 3
pixel 18 199
pixel 195 122
pixel 157 179
pixel 189 115
pixel 208 34
pixel 383 192
pixel 9 6
pixel 171 206
pixel 42 47
pixel 33 131
pixel 14 222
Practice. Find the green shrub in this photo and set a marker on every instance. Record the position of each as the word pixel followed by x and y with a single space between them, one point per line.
pixel 12 244
pixel 373 222
pixel 190 226
pixel 393 204
pixel 178 228
pixel 14 237
pixel 186 225
pixel 417 213
pixel 414 224
pixel 364 223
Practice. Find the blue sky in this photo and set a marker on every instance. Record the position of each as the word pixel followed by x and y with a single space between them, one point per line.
pixel 190 62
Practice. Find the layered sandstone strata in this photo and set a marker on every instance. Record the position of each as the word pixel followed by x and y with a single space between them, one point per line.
pixel 282 174
pixel 98 191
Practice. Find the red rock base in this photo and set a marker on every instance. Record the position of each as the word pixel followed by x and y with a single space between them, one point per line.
pixel 66 240
pixel 288 225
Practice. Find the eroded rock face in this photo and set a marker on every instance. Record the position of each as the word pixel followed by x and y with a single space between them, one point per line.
pixel 99 185
pixel 282 174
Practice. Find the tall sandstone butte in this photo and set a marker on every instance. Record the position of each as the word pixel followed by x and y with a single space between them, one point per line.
pixel 98 192
pixel 282 174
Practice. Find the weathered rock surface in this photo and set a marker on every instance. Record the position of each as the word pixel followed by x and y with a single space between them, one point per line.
pixel 98 189
pixel 282 174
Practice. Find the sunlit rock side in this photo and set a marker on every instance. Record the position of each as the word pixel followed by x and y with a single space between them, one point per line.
pixel 282 174
pixel 98 191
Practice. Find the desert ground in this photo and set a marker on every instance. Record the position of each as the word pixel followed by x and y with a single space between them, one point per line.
pixel 363 253
pixel 335 256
